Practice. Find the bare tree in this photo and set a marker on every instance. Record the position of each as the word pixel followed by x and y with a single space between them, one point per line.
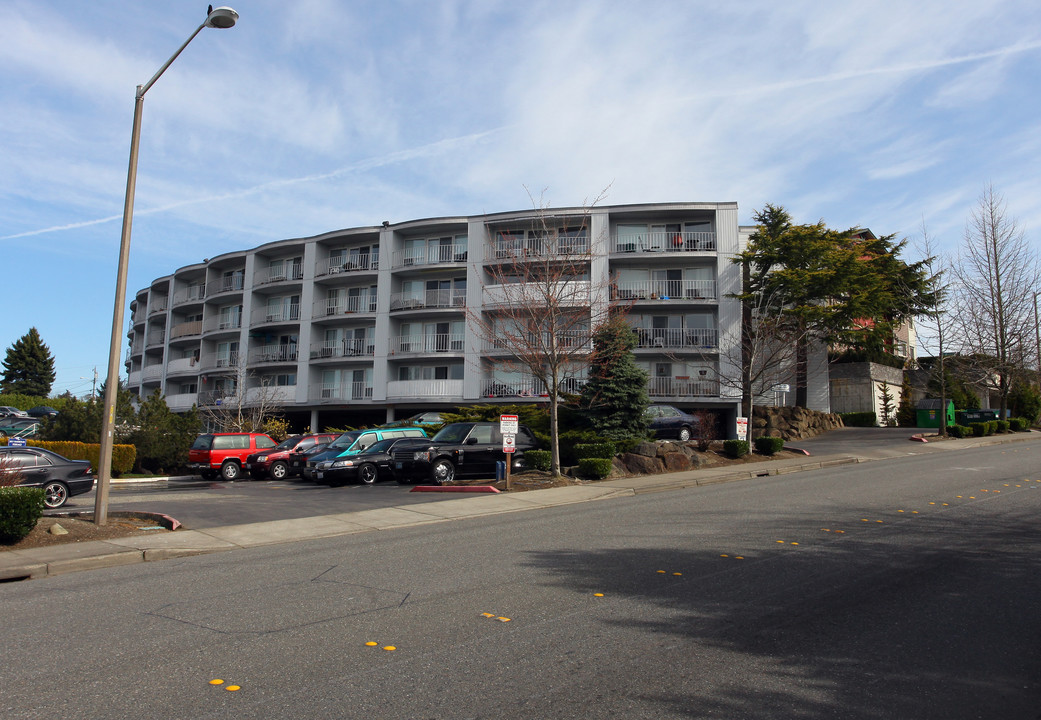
pixel 998 273
pixel 537 324
pixel 240 401
pixel 938 319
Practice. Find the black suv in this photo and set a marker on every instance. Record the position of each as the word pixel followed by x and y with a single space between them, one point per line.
pixel 463 449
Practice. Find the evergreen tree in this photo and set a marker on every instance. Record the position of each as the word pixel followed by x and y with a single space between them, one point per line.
pixel 905 413
pixel 28 367
pixel 615 395
pixel 162 437
pixel 885 396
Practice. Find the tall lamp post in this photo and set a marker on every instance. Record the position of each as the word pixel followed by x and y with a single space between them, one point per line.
pixel 222 17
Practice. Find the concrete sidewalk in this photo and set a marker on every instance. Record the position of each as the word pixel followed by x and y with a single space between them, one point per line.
pixel 72 557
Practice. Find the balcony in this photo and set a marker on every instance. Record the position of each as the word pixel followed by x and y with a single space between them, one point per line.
pixel 158 305
pixel 513 385
pixel 424 389
pixel 341 392
pixel 156 337
pixel 455 298
pixel 422 344
pixel 567 341
pixel 185 329
pixel 345 305
pixel 430 255
pixel 677 338
pixel 682 387
pixel 283 273
pixel 685 290
pixel 665 242
pixel 233 283
pixel 181 401
pixel 218 397
pixel 533 248
pixel 223 323
pixel 348 347
pixel 273 354
pixel 220 362
pixel 152 372
pixel 289 313
pixel 181 366
pixel 352 263
pixel 194 293
pixel 568 293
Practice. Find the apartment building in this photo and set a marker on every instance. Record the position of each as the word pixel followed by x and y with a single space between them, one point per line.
pixel 375 323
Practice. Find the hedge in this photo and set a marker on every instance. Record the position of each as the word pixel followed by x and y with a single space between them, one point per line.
pixel 1017 424
pixel 768 445
pixel 123 456
pixel 735 448
pixel 538 459
pixel 20 510
pixel 958 431
pixel 602 449
pixel 1003 426
pixel 859 419
pixel 598 468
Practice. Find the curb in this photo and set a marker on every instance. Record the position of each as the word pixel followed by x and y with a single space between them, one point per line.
pixel 455 488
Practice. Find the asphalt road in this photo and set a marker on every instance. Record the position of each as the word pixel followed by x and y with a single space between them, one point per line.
pixel 893 589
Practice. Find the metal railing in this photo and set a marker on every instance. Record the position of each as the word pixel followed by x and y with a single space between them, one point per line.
pixel 682 387
pixel 346 305
pixel 348 347
pixel 350 263
pixel 665 290
pixel 439 342
pixel 699 338
pixel 430 255
pixel 428 299
pixel 687 241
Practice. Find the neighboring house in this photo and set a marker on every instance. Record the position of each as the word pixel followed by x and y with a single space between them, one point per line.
pixel 372 323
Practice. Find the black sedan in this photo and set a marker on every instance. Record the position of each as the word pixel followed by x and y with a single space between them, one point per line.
pixel 666 421
pixel 59 477
pixel 366 467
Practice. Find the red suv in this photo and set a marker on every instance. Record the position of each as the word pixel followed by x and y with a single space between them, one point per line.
pixel 275 462
pixel 225 453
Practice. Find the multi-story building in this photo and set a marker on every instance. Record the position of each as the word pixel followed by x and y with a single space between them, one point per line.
pixel 369 324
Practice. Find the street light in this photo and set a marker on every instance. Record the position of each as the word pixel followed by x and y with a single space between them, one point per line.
pixel 220 18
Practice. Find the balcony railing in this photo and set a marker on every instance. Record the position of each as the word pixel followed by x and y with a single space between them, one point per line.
pixel 430 255
pixel 690 338
pixel 665 290
pixel 455 298
pixel 182 365
pixel 157 306
pixel 527 386
pixel 340 392
pixel 567 341
pixel 351 263
pixel 152 372
pixel 218 397
pixel 418 344
pixel 181 401
pixel 156 337
pixel 232 283
pixel 348 347
pixel 527 249
pixel 680 387
pixel 285 273
pixel 415 389
pixel 273 353
pixel 192 293
pixel 665 242
pixel 223 361
pixel 282 314
pixel 184 329
pixel 345 305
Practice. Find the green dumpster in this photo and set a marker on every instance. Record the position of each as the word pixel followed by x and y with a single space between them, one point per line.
pixel 928 413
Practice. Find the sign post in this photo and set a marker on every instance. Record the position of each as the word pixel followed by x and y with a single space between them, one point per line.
pixel 508 425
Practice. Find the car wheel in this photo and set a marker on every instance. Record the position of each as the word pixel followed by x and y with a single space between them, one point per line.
pixel 279 470
pixel 230 471
pixel 684 434
pixel 208 474
pixel 368 473
pixel 55 494
pixel 443 471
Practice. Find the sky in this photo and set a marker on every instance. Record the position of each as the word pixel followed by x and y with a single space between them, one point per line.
pixel 315 115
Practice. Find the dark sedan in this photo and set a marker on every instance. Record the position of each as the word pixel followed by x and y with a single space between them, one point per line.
pixel 298 458
pixel 59 477
pixel 666 421
pixel 366 467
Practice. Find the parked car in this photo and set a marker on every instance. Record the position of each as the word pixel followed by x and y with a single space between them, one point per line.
pixel 667 421
pixel 225 453
pixel 15 426
pixel 423 419
pixel 460 449
pixel 275 462
pixel 353 442
pixel 42 411
pixel 59 477
pixel 298 458
pixel 7 410
pixel 368 466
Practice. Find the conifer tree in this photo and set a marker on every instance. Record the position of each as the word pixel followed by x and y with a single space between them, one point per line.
pixel 28 367
pixel 615 395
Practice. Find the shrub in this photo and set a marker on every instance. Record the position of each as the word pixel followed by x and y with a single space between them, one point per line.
pixel 957 431
pixel 593 467
pixel 992 427
pixel 735 448
pixel 1017 425
pixel 859 419
pixel 569 439
pixel 603 449
pixel 20 510
pixel 768 445
pixel 628 444
pixel 1003 425
pixel 538 459
pixel 979 429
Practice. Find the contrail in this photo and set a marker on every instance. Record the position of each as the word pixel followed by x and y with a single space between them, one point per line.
pixel 400 156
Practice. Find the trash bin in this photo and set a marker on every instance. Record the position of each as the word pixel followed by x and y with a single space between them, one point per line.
pixel 500 470
pixel 928 413
pixel 966 417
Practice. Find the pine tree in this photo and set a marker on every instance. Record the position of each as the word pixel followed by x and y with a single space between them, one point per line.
pixel 905 412
pixel 615 396
pixel 28 367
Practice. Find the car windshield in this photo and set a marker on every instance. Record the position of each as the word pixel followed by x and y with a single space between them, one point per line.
pixel 454 433
pixel 287 444
pixel 381 446
pixel 345 440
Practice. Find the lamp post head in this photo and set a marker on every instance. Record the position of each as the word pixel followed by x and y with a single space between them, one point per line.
pixel 221 18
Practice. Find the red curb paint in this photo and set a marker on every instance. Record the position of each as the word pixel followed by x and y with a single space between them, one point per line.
pixel 918 438
pixel 455 488
pixel 797 450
